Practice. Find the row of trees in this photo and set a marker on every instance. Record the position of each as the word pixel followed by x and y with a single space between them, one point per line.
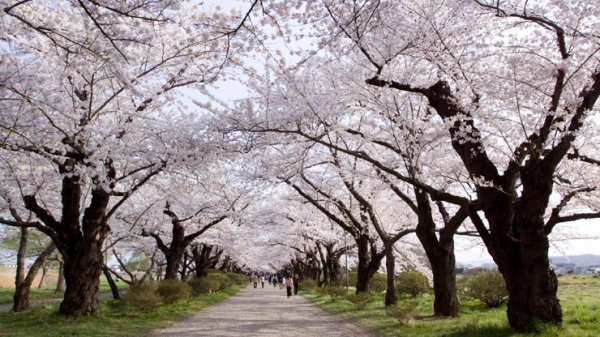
pixel 397 117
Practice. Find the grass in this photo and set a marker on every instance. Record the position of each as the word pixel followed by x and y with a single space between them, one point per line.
pixel 579 296
pixel 44 322
pixel 6 294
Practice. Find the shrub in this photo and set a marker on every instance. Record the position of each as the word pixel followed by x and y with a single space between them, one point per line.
pixel 485 286
pixel 238 278
pixel 142 296
pixel 204 285
pixel 333 292
pixel 308 284
pixel 403 311
pixel 224 280
pixel 378 283
pixel 361 300
pixel 412 283
pixel 173 290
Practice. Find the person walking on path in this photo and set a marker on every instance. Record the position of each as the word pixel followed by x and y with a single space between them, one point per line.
pixel 255 280
pixel 296 279
pixel 289 284
pixel 281 280
pixel 262 281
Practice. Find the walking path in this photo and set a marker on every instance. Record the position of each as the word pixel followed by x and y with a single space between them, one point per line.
pixel 263 312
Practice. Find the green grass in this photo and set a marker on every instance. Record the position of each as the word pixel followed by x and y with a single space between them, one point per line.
pixel 6 294
pixel 44 322
pixel 579 295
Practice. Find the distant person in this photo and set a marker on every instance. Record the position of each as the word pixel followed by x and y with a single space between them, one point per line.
pixel 296 280
pixel 262 280
pixel 289 285
pixel 275 281
pixel 281 281
pixel 255 280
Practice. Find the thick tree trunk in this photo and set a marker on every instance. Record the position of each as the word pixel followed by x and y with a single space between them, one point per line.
pixel 443 267
pixel 368 264
pixel 173 261
pixel 82 278
pixel 530 281
pixel 111 282
pixel 391 297
pixel 440 253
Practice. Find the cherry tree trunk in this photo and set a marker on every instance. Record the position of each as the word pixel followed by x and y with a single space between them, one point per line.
pixel 391 297
pixel 22 289
pixel 530 281
pixel 443 267
pixel 368 264
pixel 111 282
pixel 173 261
pixel 82 278
pixel 60 284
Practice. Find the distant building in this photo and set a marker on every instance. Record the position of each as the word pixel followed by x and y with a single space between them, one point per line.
pixel 563 268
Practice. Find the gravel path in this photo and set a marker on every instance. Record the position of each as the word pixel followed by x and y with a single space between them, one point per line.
pixel 263 312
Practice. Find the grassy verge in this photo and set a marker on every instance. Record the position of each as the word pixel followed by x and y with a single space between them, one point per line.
pixel 579 295
pixel 44 322
pixel 6 294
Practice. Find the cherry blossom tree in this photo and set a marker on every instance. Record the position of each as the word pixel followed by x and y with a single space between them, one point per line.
pixel 85 89
pixel 516 84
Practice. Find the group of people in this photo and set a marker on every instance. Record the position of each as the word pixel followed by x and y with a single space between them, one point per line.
pixel 290 283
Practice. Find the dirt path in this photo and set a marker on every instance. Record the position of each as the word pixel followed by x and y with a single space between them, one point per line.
pixel 263 312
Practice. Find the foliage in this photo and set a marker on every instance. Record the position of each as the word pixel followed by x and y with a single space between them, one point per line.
pixel 203 285
pixel 332 292
pixel 412 283
pixel 111 321
pixel 173 290
pixel 141 296
pixel 308 284
pixel 378 283
pixel 581 315
pixel 403 311
pixel 360 300
pixel 485 286
pixel 238 278
pixel 223 280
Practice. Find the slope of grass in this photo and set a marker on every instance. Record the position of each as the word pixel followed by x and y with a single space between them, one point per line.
pixel 579 295
pixel 6 294
pixel 44 322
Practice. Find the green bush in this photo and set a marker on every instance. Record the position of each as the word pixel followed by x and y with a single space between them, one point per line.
pixel 308 284
pixel 361 300
pixel 204 285
pixel 238 278
pixel 403 311
pixel 485 286
pixel 412 283
pixel 378 283
pixel 332 291
pixel 224 280
pixel 173 290
pixel 142 296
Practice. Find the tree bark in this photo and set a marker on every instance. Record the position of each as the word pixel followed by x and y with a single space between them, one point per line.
pixel 82 278
pixel 391 297
pixel 21 296
pixel 60 284
pixel 368 264
pixel 111 282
